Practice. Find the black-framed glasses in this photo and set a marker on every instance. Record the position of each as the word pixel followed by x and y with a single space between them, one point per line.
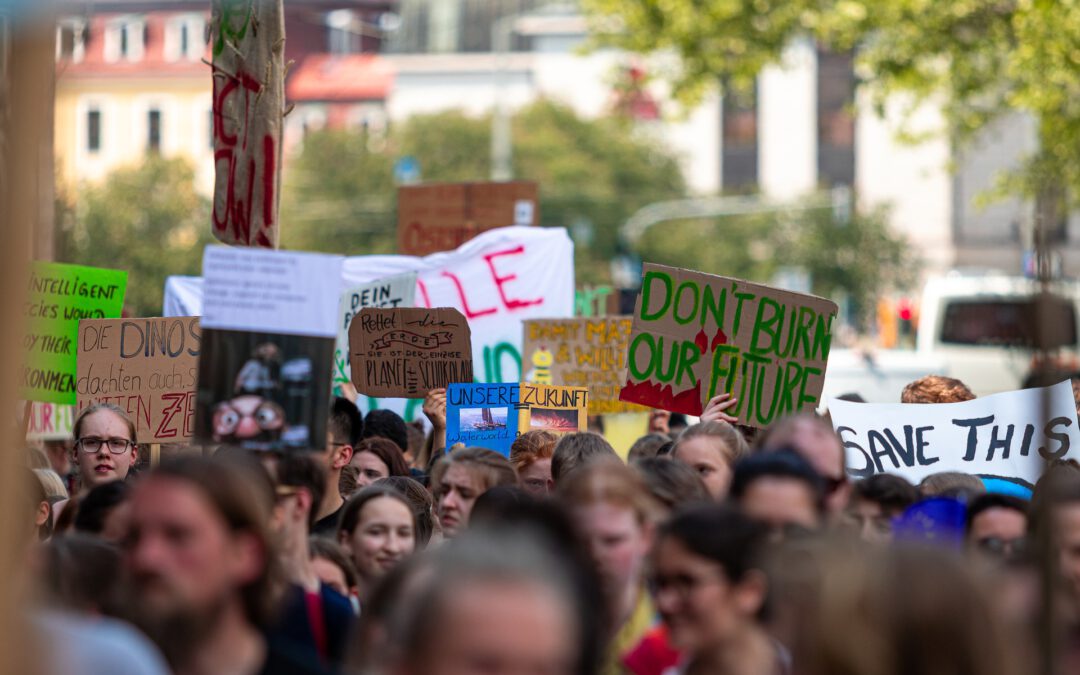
pixel 116 446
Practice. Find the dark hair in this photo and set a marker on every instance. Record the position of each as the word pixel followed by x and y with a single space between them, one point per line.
pixel 671 483
pixel 783 463
pixel 301 470
pixel 386 424
pixel 577 449
pixel 387 451
pixel 96 505
pixel 955 484
pixel 421 502
pixel 891 492
pixel 82 573
pixel 350 513
pixel 346 422
pixel 990 500
pixel 648 446
pixel 34 493
pixel 321 547
pixel 494 504
pixel 720 533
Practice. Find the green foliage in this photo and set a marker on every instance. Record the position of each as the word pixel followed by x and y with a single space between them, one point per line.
pixel 146 219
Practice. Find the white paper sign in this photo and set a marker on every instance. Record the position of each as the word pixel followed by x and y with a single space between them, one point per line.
pixel 396 291
pixel 257 290
pixel 1004 435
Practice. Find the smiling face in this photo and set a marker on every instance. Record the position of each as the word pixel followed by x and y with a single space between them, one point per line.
pixel 384 535
pixel 102 466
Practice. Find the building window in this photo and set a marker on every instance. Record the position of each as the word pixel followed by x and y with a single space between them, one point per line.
pixel 70 40
pixel 739 149
pixel 153 130
pixel 836 123
pixel 93 130
pixel 125 39
pixel 343 36
pixel 183 37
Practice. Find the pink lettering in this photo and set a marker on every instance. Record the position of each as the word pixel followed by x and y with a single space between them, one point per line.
pixel 501 281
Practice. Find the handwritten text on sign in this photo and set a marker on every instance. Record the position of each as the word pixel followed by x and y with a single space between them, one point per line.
pixel 409 352
pixel 698 335
pixel 147 367
pixel 395 291
pixel 1006 435
pixel 58 296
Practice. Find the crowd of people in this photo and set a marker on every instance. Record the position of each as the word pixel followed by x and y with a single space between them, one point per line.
pixel 711 548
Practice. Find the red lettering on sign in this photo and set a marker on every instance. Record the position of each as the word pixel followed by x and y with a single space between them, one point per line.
pixel 500 281
pixel 470 314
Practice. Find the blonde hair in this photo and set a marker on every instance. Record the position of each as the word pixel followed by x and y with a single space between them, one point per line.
pixel 493 468
pixel 609 481
pixel 734 444
pixel 52 483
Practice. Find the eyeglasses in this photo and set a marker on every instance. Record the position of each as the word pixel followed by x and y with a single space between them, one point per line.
pixel 1002 547
pixel 117 446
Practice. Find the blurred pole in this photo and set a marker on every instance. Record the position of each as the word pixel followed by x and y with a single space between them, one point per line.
pixel 501 140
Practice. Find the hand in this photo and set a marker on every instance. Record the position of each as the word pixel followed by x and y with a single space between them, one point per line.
pixel 658 422
pixel 435 408
pixel 349 391
pixel 714 410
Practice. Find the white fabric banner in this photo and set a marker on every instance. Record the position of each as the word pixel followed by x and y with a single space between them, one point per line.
pixel 497 280
pixel 396 291
pixel 1005 435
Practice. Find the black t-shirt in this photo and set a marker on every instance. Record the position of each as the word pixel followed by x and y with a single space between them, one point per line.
pixel 285 658
pixel 327 527
pixel 322 638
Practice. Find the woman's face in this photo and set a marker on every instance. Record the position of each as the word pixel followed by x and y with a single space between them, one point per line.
pixel 618 542
pixel 102 466
pixel 708 457
pixel 371 468
pixel 455 496
pixel 536 478
pixel 383 536
pixel 697 602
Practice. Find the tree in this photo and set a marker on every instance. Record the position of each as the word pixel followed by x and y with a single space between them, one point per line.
pixel 146 219
pixel 977 58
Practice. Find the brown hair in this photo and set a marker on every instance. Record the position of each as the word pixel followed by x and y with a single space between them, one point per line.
pixel 610 481
pixel 936 389
pixel 350 513
pixel 386 450
pixel 734 444
pixel 576 450
pixel 532 446
pixel 493 468
pixel 76 427
pixel 421 503
pixel 321 547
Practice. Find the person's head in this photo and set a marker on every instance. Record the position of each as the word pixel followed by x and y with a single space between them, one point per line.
pixel 530 453
pixel 672 484
pixel 955 484
pixel 997 525
pixel 378 528
pixel 577 449
pixel 332 564
pixel 105 511
pixel 936 389
pixel 780 489
pixel 199 546
pixel 301 479
pixel 497 501
pixel 38 510
pixel 386 424
pixel 706 578
pixel 82 573
pixel 376 458
pixel 52 483
pixel 493 603
pixel 616 513
pixel 460 477
pixel 59 453
pixel 814 439
pixel 711 449
pixel 1055 515
pixel 343 433
pixel 421 502
pixel 647 446
pixel 105 444
pixel 876 501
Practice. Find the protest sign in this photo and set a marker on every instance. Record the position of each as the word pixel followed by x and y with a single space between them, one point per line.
pixel 1007 435
pixel 49 421
pixel 58 296
pixel 493 415
pixel 395 291
pixel 496 280
pixel 441 217
pixel 698 335
pixel 147 367
pixel 581 353
pixel 269 326
pixel 408 352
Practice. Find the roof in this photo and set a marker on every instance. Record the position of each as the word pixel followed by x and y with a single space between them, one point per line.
pixel 345 77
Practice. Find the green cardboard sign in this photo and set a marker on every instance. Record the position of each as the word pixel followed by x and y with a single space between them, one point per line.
pixel 57 297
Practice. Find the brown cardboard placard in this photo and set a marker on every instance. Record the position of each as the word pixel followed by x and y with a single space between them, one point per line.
pixel 583 352
pixel 147 367
pixel 407 352
pixel 442 216
pixel 697 335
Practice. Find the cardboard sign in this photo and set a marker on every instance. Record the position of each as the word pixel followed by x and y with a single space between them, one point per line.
pixel 698 335
pixel 49 421
pixel 441 217
pixel 58 297
pixel 395 291
pixel 493 415
pixel 1007 435
pixel 409 352
pixel 147 367
pixel 581 353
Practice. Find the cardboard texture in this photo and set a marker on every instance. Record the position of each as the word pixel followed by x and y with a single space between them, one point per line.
pixel 58 297
pixel 408 352
pixel 493 415
pixel 698 335
pixel 395 291
pixel 561 410
pixel 441 217
pixel 147 367
pixel 586 352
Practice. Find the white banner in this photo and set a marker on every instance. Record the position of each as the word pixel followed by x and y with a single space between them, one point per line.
pixel 497 280
pixel 1005 435
pixel 396 291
